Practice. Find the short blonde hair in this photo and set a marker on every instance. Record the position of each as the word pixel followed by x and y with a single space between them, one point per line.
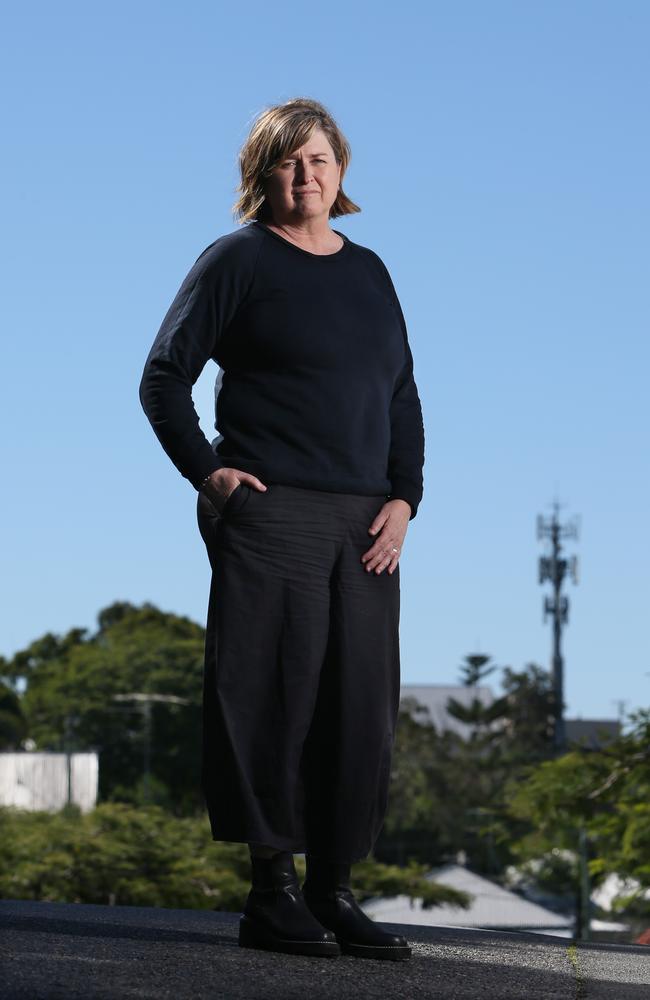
pixel 276 132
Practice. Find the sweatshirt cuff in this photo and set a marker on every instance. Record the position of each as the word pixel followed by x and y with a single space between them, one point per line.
pixel 209 466
pixel 403 490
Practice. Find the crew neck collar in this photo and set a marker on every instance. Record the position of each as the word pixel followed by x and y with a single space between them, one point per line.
pixel 306 253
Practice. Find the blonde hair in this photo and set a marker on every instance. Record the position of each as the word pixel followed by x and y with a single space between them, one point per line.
pixel 276 132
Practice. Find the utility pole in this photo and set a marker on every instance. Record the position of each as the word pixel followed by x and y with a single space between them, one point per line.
pixel 554 569
pixel 145 700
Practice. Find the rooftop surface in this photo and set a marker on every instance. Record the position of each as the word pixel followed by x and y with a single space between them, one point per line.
pixel 492 906
pixel 52 951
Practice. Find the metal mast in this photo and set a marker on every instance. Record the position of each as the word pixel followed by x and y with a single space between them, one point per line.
pixel 554 568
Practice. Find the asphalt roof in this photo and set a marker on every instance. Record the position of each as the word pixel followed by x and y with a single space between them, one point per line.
pixel 493 908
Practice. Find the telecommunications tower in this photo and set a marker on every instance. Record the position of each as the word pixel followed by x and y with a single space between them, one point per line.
pixel 554 569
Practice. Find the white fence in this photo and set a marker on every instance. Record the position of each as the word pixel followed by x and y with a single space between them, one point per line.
pixel 48 780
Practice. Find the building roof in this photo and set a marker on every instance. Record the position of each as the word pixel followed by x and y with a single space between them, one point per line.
pixel 493 908
pixel 434 698
pixel 591 732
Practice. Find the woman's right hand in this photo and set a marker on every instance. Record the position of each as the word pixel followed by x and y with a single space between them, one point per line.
pixel 223 481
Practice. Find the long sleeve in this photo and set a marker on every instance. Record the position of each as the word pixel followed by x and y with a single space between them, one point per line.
pixel 189 335
pixel 406 455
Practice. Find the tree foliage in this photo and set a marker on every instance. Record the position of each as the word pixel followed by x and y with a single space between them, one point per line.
pixel 119 854
pixel 499 795
pixel 606 792
pixel 13 724
pixel 68 703
pixel 446 792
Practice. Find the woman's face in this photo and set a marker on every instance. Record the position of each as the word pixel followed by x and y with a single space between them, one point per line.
pixel 305 184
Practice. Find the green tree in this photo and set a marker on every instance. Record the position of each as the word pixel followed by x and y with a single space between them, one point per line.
pixel 605 792
pixel 425 811
pixel 447 792
pixel 528 717
pixel 70 682
pixel 478 715
pixel 13 724
pixel 476 668
pixel 119 854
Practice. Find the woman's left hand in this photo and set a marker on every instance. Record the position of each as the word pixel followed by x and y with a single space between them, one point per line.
pixel 389 526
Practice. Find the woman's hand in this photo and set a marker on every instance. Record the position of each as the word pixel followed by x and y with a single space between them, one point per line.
pixel 223 481
pixel 390 523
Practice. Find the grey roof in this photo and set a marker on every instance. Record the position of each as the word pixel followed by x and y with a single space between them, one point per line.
pixel 435 696
pixel 494 908
pixel 591 732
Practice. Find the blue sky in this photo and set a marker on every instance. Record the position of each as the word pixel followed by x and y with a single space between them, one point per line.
pixel 501 156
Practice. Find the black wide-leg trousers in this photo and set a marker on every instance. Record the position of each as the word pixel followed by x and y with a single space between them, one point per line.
pixel 302 672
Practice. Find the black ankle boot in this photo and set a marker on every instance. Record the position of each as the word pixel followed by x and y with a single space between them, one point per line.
pixel 328 895
pixel 276 916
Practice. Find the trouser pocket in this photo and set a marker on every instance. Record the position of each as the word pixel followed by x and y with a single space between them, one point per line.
pixel 236 499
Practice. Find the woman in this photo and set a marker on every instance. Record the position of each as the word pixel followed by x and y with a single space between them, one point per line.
pixel 304 502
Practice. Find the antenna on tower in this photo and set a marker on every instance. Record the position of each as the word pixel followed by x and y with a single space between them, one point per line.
pixel 554 569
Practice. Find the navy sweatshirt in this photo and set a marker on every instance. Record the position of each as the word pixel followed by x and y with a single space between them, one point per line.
pixel 316 388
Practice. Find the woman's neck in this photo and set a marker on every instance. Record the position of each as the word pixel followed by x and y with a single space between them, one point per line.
pixel 321 240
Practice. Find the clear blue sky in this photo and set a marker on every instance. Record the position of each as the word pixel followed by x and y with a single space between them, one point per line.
pixel 501 155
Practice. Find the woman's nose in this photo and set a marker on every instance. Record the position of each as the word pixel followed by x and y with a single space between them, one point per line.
pixel 304 171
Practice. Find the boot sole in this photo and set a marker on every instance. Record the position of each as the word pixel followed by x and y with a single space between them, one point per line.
pixel 392 953
pixel 254 935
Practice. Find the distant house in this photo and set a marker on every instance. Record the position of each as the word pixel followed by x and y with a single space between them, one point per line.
pixel 493 908
pixel 593 733
pixel 433 698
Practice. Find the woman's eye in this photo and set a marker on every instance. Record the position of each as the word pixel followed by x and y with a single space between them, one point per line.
pixel 287 163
